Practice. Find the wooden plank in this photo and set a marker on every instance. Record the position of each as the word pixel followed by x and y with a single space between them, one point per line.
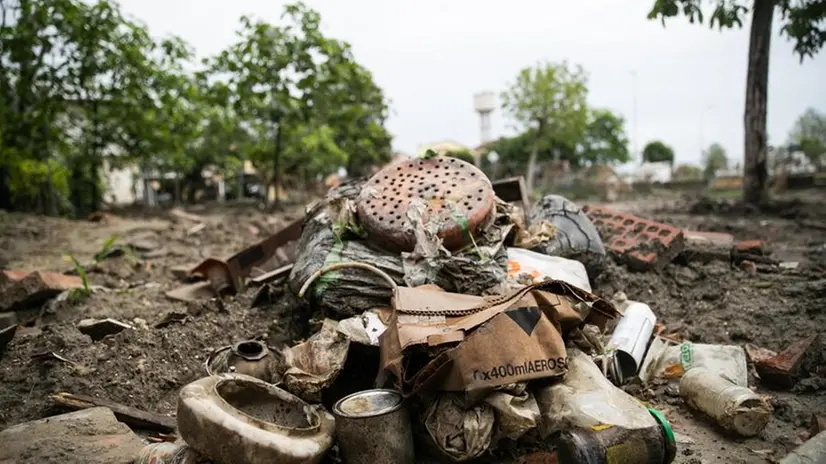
pixel 512 190
pixel 128 415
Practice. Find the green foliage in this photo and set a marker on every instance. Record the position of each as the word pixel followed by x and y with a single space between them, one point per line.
pixel 79 293
pixel 656 151
pixel 714 159
pixel 809 133
pixel 106 249
pixel 605 141
pixel 550 101
pixel 688 172
pixel 464 155
pixel 81 83
pixel 802 20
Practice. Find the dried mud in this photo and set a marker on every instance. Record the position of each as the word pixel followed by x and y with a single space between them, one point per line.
pixel 145 367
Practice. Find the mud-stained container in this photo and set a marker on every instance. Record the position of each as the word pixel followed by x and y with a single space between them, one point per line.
pixel 248 357
pixel 611 444
pixel 235 418
pixel 374 427
pixel 733 407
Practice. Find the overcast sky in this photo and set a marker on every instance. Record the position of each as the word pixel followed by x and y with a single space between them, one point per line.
pixel 431 56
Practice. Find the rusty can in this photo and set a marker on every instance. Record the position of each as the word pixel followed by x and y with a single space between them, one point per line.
pixel 372 427
pixel 611 444
pixel 167 453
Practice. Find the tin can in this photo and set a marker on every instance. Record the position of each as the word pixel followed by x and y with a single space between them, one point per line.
pixel 630 340
pixel 374 427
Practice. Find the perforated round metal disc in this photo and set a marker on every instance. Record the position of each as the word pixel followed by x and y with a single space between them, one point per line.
pixel 449 195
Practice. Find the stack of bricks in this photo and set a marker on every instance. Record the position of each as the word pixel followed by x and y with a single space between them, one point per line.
pixel 641 243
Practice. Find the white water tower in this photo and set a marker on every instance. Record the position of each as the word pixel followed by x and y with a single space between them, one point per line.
pixel 484 103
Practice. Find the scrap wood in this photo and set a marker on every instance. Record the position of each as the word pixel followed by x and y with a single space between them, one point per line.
pixel 131 416
pixel 783 368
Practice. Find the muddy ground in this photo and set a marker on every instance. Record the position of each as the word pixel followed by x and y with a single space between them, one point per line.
pixel 145 368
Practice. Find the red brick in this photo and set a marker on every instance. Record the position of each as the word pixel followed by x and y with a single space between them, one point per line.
pixel 750 246
pixel 642 243
pixel 36 287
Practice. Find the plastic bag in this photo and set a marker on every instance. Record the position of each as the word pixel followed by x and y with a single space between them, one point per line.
pixel 462 433
pixel 671 360
pixel 585 398
pixel 567 232
pixel 331 235
pixel 529 267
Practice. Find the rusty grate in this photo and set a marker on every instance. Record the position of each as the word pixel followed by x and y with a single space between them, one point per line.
pixel 457 196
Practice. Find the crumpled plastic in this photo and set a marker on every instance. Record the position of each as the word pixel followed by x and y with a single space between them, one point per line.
pixel 331 235
pixel 314 365
pixel 461 433
pixel 517 411
pixel 364 329
pixel 585 398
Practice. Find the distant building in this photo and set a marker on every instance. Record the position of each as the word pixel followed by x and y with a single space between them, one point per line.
pixel 653 172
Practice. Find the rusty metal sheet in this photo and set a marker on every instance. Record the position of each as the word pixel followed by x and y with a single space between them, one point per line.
pixel 457 196
pixel 227 276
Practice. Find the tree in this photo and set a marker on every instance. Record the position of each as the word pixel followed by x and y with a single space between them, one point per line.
pixel 714 159
pixel 605 141
pixel 688 172
pixel 802 22
pixel 550 100
pixel 309 106
pixel 656 152
pixel 809 133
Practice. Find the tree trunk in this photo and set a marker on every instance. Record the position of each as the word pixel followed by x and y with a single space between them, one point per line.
pixel 755 171
pixel 531 174
pixel 277 163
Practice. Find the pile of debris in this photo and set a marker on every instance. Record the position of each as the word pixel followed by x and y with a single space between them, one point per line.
pixel 456 320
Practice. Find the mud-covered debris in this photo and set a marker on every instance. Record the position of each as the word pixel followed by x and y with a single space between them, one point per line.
pixel 100 328
pixel 573 234
pixel 6 336
pixel 241 419
pixel 132 416
pixel 7 319
pixel 813 451
pixel 181 214
pixel 666 359
pixel 755 247
pixel 192 292
pixel 517 411
pixel 92 436
pixel 314 365
pixel 735 408
pixel 172 317
pixel 167 453
pixel 460 432
pixel 818 424
pixel 784 369
pixel 374 417
pixel 36 288
pixel 708 238
pixel 248 357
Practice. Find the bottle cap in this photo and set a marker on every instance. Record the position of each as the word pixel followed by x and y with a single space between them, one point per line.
pixel 670 440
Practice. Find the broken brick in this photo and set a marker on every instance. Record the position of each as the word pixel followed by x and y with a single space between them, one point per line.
pixel 98 329
pixel 642 243
pixel 37 287
pixel 781 369
pixel 755 247
pixel 818 424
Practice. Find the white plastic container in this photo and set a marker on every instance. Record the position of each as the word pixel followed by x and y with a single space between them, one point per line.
pixel 630 339
pixel 733 407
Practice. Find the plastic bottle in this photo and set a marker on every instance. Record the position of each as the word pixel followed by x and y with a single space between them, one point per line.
pixel 733 407
pixel 611 444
